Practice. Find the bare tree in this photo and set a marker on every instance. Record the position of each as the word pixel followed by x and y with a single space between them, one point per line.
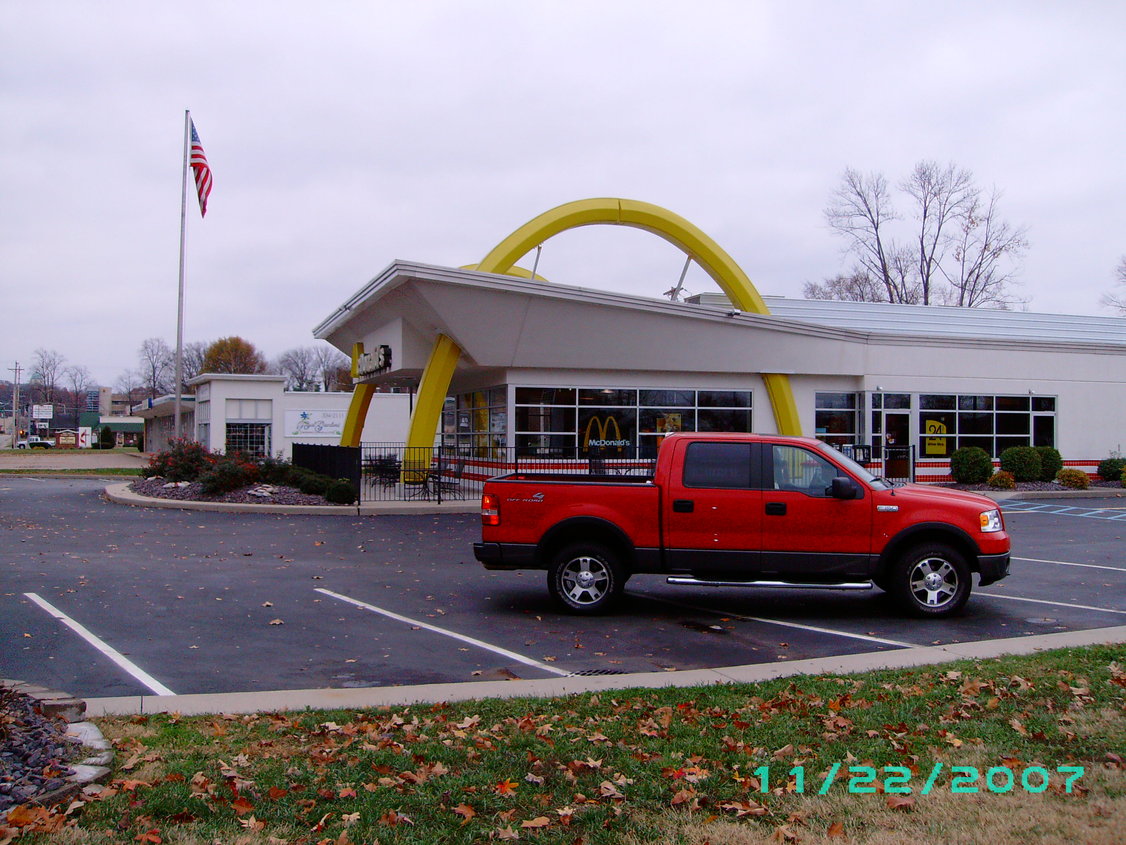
pixel 132 384
pixel 46 367
pixel 985 257
pixel 156 363
pixel 958 251
pixel 857 286
pixel 1117 301
pixel 299 366
pixel 192 361
pixel 330 362
pixel 79 381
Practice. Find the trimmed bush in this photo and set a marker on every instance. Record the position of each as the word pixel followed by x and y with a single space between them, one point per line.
pixel 1110 469
pixel 106 438
pixel 229 472
pixel 1002 480
pixel 313 484
pixel 1050 462
pixel 184 460
pixel 140 442
pixel 971 465
pixel 340 492
pixel 1023 462
pixel 274 470
pixel 1074 479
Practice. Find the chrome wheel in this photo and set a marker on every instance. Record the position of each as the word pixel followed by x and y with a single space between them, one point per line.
pixel 585 580
pixel 934 582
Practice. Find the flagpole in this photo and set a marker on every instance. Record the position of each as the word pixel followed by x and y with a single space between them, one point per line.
pixel 180 302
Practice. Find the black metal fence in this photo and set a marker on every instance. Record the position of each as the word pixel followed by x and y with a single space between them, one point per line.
pixel 394 472
pixel 333 461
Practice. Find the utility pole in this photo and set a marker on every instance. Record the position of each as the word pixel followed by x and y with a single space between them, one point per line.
pixel 16 370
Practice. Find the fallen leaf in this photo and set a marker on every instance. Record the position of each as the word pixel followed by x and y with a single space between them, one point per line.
pixel 900 802
pixel 836 830
pixel 465 811
pixel 537 823
pixel 506 787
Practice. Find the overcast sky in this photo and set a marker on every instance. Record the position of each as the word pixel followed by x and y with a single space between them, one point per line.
pixel 344 135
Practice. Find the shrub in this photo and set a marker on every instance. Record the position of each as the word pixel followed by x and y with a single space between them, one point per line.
pixel 971 465
pixel 1110 469
pixel 1074 479
pixel 1002 480
pixel 1050 462
pixel 313 484
pixel 140 442
pixel 184 460
pixel 340 492
pixel 1023 462
pixel 229 472
pixel 274 470
pixel 106 438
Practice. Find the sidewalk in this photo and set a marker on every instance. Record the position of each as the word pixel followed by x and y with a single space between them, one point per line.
pixel 33 459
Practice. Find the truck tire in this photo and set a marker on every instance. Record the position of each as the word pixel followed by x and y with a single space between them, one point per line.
pixel 585 578
pixel 931 580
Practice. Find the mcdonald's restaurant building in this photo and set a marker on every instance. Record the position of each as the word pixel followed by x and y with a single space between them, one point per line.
pixel 543 369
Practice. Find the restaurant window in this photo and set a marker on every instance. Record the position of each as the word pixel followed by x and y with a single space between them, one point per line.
pixel 836 418
pixel 620 422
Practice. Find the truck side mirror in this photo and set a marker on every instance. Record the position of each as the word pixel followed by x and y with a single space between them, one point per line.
pixel 845 488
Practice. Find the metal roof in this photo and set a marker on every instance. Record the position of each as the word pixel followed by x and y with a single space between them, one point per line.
pixel 940 320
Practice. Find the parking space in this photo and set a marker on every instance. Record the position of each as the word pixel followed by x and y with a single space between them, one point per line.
pixel 212 602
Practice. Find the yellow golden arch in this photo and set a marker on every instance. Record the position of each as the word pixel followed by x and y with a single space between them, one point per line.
pixel 439 371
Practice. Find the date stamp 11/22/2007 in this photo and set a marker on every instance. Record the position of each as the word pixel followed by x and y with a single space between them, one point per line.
pixel 898 780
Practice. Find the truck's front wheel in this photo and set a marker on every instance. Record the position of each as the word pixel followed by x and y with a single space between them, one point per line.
pixel 932 580
pixel 585 578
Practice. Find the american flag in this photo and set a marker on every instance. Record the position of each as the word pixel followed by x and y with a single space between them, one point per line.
pixel 201 171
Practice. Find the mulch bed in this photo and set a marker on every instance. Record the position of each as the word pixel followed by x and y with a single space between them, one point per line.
pixel 158 488
pixel 1098 484
pixel 34 750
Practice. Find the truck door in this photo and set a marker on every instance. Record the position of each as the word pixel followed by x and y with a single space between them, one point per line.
pixel 713 510
pixel 805 531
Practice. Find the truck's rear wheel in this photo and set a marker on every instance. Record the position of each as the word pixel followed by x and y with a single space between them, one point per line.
pixel 585 578
pixel 932 580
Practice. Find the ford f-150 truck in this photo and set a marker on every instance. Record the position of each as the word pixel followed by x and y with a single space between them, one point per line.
pixel 747 510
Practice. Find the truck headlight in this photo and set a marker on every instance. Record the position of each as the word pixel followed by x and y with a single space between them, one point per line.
pixel 991 522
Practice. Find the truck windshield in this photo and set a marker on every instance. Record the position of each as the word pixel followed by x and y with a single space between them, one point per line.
pixel 856 469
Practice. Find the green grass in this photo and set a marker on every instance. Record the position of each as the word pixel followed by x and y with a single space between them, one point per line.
pixel 641 766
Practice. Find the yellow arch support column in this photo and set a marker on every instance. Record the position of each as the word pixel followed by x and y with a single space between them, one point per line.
pixel 432 392
pixel 358 407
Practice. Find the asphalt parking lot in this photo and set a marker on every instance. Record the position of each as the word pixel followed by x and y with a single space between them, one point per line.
pixel 105 600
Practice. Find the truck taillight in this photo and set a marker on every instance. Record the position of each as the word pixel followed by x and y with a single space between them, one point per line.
pixel 490 510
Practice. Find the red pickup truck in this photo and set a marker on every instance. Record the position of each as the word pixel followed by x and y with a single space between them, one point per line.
pixel 747 510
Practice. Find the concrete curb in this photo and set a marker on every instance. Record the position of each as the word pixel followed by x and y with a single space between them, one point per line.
pixel 1020 495
pixel 95 767
pixel 279 700
pixel 121 494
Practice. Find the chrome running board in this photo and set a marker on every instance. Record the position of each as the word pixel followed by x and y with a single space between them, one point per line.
pixel 687 580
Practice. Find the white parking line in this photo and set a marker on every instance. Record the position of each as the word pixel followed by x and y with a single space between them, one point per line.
pixel 117 657
pixel 511 655
pixel 1054 603
pixel 813 628
pixel 1064 563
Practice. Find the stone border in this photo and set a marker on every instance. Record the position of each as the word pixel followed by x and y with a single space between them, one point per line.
pixel 95 767
pixel 120 493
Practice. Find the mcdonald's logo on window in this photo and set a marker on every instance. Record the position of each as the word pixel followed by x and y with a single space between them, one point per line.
pixel 604 434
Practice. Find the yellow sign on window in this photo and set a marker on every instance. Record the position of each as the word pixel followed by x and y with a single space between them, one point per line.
pixel 935 445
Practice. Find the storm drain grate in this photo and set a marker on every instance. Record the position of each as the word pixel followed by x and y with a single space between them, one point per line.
pixel 590 673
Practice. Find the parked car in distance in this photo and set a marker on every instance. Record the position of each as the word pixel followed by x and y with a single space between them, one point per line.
pixel 34 442
pixel 747 510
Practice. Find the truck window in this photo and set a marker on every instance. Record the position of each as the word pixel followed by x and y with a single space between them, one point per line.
pixel 802 471
pixel 722 465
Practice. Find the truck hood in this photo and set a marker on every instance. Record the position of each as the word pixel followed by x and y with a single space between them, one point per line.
pixel 918 492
